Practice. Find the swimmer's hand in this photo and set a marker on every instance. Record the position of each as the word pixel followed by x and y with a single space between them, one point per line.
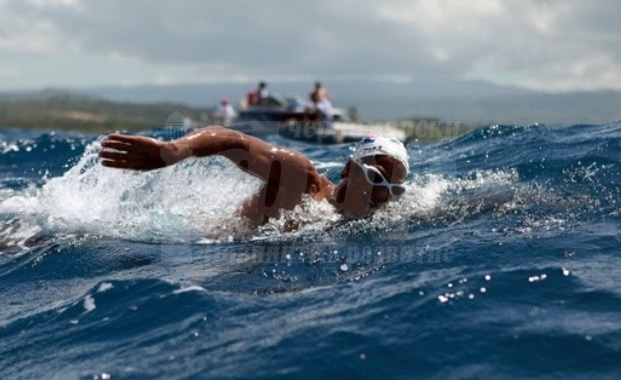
pixel 137 152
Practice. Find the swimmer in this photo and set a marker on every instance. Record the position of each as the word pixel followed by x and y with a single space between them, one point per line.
pixel 372 177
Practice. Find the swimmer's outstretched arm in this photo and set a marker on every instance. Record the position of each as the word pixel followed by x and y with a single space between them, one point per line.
pixel 249 153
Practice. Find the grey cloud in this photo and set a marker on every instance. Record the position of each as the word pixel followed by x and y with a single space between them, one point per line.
pixel 266 36
pixel 338 37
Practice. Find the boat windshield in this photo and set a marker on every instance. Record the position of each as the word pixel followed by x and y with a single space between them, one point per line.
pixel 294 103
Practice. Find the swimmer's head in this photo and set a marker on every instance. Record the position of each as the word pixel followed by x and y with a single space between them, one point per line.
pixel 378 146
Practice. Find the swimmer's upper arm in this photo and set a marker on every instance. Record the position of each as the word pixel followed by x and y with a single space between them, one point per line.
pixel 268 162
pixel 281 167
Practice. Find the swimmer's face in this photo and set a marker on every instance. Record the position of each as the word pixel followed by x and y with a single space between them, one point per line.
pixel 366 184
pixel 384 175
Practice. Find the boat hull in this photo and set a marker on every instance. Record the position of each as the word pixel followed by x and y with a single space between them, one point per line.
pixel 303 126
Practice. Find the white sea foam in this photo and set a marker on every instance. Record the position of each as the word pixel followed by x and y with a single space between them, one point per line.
pixel 104 286
pixel 176 204
pixel 89 304
pixel 191 288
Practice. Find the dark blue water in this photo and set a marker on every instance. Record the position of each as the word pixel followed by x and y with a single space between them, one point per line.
pixel 502 261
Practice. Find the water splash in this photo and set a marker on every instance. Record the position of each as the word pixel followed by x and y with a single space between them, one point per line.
pixel 196 201
pixel 176 204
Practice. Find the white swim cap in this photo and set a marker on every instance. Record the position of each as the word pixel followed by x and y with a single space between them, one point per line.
pixel 374 146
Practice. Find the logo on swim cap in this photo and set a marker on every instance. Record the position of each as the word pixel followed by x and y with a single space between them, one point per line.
pixel 374 146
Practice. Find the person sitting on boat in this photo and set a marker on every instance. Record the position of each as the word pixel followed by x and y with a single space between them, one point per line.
pixel 373 176
pixel 225 113
pixel 259 96
pixel 251 98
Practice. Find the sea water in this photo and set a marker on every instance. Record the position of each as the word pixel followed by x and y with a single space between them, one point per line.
pixel 501 261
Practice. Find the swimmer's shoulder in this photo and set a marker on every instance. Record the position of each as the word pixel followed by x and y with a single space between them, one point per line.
pixel 320 187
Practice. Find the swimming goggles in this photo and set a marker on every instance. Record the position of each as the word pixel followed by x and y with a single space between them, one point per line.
pixel 376 178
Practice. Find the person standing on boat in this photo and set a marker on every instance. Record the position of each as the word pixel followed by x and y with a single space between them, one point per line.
pixel 322 104
pixel 324 112
pixel 372 177
pixel 319 93
pixel 225 113
pixel 262 93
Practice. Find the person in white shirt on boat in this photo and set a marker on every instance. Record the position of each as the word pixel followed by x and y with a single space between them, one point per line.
pixel 322 104
pixel 324 110
pixel 225 113
pixel 262 91
pixel 372 177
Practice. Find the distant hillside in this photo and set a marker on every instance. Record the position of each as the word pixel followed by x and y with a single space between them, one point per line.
pixel 149 107
pixel 551 109
pixel 63 110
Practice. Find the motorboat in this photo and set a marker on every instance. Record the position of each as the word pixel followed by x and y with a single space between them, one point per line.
pixel 292 117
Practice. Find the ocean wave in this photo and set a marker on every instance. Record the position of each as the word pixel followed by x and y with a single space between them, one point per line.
pixel 500 258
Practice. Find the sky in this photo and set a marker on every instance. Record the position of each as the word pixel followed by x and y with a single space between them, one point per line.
pixel 559 45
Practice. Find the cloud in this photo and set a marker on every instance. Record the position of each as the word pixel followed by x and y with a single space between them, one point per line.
pixel 10 72
pixel 547 45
